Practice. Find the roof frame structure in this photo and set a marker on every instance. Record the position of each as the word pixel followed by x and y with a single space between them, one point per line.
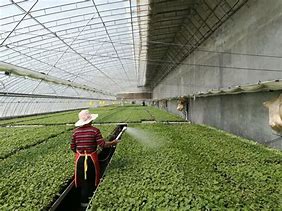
pixel 205 17
pixel 50 44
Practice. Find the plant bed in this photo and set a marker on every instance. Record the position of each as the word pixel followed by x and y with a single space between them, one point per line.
pixel 15 139
pixel 137 114
pixel 34 177
pixel 68 117
pixel 185 167
pixel 35 118
pixel 162 116
pixel 110 114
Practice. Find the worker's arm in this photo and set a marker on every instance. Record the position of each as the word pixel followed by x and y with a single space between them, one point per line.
pixel 110 143
pixel 102 143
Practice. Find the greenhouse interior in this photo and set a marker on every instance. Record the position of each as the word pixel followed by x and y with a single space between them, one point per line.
pixel 140 105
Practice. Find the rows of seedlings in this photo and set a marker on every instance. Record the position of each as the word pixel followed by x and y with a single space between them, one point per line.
pixel 137 114
pixel 69 117
pixel 109 114
pixel 190 167
pixel 37 163
pixel 16 139
pixel 32 178
pixel 40 118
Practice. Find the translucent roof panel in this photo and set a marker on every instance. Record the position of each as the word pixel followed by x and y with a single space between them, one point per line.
pixel 96 43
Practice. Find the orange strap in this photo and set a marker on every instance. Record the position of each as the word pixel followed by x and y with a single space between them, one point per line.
pixel 95 160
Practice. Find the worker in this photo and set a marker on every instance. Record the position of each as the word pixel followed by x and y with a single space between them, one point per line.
pixel 85 140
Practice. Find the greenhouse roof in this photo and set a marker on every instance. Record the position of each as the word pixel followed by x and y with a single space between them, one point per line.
pixel 92 43
pixel 100 48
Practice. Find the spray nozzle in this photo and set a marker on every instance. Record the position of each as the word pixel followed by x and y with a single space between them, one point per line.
pixel 121 132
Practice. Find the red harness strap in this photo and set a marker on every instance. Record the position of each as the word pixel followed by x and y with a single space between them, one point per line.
pixel 95 160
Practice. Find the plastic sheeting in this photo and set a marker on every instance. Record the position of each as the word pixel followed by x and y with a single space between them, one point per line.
pixel 84 49
pixel 261 86
pixel 95 43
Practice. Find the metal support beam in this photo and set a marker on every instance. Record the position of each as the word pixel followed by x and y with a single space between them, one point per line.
pixel 26 13
pixel 5 67
pixel 13 94
pixel 194 40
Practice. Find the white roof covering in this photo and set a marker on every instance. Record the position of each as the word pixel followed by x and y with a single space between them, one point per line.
pixel 94 43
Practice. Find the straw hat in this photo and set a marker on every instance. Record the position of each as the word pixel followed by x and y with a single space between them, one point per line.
pixel 85 117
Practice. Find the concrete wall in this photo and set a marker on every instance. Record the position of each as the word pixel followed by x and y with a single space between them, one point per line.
pixel 255 29
pixel 242 114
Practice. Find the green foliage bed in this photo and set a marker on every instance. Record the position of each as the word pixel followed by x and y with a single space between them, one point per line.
pixel 173 167
pixel 162 116
pixel 15 139
pixel 109 114
pixel 31 178
pixel 190 167
pixel 41 119
pixel 126 114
